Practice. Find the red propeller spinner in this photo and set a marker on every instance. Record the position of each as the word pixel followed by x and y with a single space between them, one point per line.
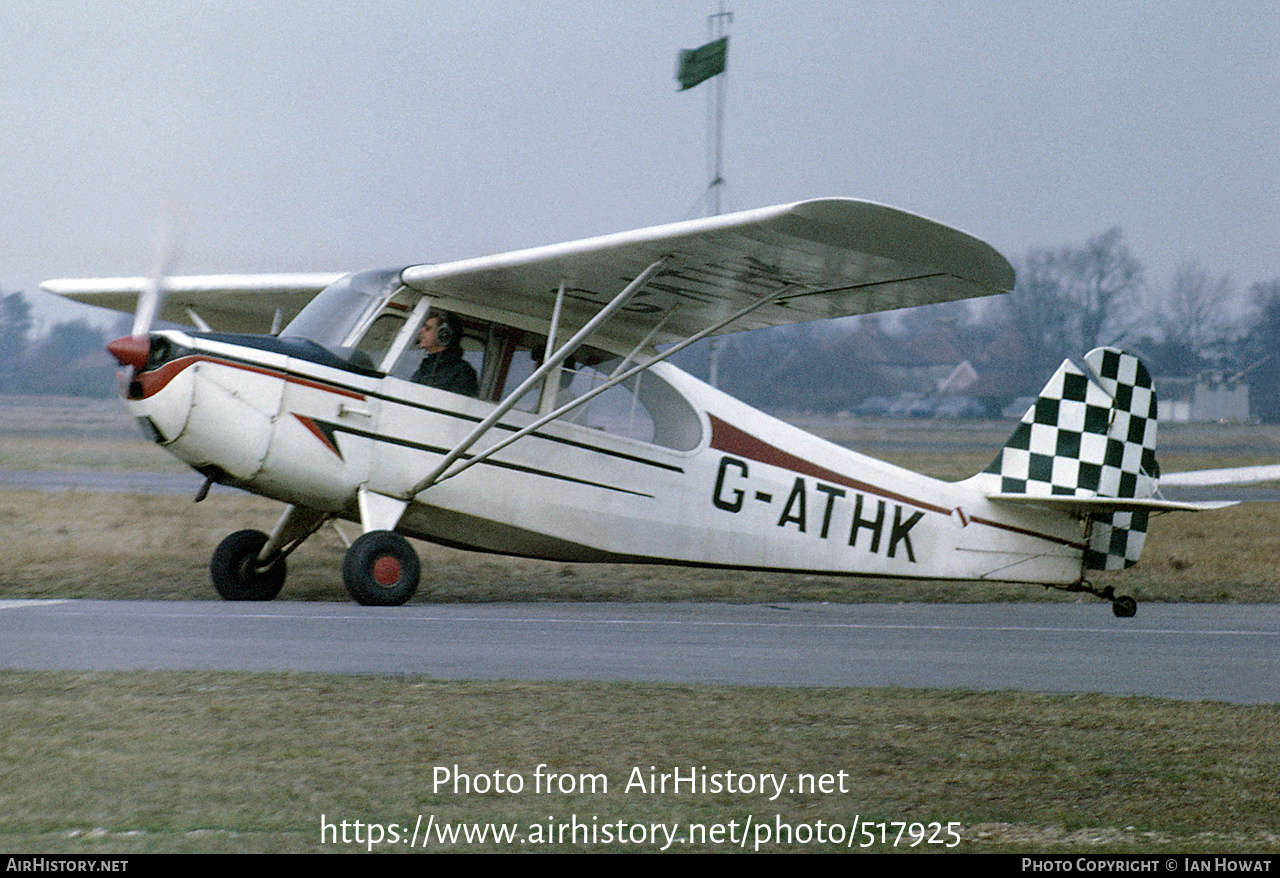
pixel 131 350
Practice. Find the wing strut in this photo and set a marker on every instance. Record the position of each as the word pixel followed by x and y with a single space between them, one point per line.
pixel 548 392
pixel 617 378
pixel 555 322
pixel 644 342
pixel 538 374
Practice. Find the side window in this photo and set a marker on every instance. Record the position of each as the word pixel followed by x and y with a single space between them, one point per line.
pixel 472 339
pixel 644 407
pixel 525 352
pixel 473 351
pixel 617 410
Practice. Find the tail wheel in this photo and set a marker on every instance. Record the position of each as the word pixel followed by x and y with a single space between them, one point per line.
pixel 236 573
pixel 381 569
pixel 1124 607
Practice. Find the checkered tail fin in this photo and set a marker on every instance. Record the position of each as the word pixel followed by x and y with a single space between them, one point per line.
pixel 1090 435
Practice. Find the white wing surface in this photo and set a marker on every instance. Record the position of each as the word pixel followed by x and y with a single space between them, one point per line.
pixel 837 257
pixel 834 257
pixel 229 302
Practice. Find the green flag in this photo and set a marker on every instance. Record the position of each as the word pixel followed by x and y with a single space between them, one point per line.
pixel 702 63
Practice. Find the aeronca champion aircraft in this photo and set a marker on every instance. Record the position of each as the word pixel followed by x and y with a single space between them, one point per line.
pixel 521 404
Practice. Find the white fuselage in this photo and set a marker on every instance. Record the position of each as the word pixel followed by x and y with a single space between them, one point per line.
pixel 748 491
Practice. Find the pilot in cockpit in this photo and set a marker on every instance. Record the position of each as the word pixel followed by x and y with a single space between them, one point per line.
pixel 442 363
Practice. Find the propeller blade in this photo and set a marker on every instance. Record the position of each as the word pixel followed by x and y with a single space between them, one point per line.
pixel 168 248
pixel 132 351
pixel 148 308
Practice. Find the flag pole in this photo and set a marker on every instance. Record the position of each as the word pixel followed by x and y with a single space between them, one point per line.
pixel 695 66
pixel 716 26
pixel 715 101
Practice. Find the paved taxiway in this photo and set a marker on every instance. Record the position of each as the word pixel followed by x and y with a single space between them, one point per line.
pixel 1186 651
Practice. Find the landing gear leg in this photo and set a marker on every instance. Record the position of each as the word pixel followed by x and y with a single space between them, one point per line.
pixel 250 566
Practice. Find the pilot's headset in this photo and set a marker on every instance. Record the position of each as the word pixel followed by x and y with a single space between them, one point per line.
pixel 446 333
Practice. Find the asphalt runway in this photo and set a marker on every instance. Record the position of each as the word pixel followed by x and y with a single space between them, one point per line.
pixel 1194 652
pixel 106 481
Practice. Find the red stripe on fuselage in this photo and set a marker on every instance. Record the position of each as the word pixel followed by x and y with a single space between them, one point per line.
pixel 732 440
pixel 154 381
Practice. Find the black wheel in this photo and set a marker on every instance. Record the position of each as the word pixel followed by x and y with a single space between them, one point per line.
pixel 381 569
pixel 1124 607
pixel 235 571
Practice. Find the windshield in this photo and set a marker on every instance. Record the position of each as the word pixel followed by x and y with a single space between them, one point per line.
pixel 331 317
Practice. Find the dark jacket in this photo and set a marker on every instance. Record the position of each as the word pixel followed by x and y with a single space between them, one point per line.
pixel 448 371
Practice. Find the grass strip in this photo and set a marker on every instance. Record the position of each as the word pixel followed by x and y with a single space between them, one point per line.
pixel 232 762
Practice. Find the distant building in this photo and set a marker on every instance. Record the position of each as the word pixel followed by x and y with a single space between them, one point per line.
pixel 1206 399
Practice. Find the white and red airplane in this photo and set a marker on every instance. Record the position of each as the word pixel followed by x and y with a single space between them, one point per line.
pixel 555 429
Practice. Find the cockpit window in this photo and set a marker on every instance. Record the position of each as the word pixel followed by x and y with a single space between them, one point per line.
pixel 372 322
pixel 470 339
pixel 376 341
pixel 342 308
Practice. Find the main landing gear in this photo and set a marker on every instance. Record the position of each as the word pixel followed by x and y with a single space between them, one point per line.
pixel 380 569
pixel 1122 606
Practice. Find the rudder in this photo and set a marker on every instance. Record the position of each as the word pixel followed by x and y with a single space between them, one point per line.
pixel 1090 434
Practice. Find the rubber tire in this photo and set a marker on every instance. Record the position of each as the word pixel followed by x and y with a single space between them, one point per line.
pixel 370 563
pixel 233 572
pixel 1124 607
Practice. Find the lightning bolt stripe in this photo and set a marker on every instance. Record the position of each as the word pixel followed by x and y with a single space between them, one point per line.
pixel 323 433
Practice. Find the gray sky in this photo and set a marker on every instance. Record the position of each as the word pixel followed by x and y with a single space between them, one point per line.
pixel 334 136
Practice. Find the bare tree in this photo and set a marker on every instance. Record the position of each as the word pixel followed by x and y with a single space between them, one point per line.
pixel 1038 312
pixel 15 323
pixel 1103 281
pixel 1263 368
pixel 1195 313
pixel 1072 299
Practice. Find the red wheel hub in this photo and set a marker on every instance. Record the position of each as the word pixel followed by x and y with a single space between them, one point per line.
pixel 386 571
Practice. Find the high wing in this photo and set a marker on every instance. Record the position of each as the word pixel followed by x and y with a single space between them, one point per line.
pixel 834 257
pixel 830 257
pixel 228 302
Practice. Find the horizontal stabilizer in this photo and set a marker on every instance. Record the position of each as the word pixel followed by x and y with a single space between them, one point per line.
pixel 1239 475
pixel 1112 504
